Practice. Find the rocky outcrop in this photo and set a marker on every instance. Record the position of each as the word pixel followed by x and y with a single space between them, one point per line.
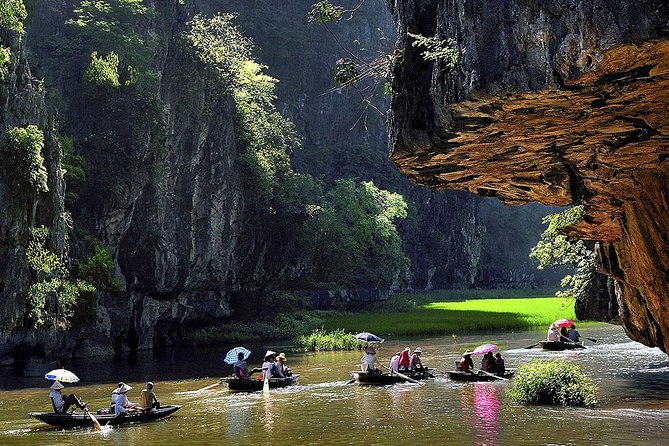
pixel 561 103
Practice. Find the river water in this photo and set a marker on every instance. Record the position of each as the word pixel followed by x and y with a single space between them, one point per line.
pixel 323 409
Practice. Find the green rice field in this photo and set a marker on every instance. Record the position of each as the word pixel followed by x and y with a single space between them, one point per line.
pixel 439 318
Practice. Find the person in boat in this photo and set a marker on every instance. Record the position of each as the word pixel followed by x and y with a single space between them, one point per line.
pixel 239 368
pixel 62 403
pixel 415 363
pixel 553 334
pixel 394 362
pixel 491 367
pixel 466 363
pixel 114 395
pixel 564 334
pixel 148 399
pixel 369 360
pixel 270 366
pixel 499 365
pixel 405 359
pixel 123 405
pixel 573 334
pixel 281 364
pixel 485 362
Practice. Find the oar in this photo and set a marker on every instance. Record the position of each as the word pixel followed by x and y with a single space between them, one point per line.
pixel 210 386
pixel 411 380
pixel 534 345
pixel 592 339
pixel 494 376
pixel 96 423
pixel 265 386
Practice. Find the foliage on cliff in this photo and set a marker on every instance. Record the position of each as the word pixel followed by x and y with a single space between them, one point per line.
pixel 12 15
pixel 23 163
pixel 556 249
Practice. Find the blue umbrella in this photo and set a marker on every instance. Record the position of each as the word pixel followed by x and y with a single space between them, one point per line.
pixel 62 375
pixel 231 356
pixel 368 337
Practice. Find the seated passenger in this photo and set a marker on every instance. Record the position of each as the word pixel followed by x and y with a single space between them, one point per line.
pixel 239 368
pixel 416 363
pixel 405 360
pixel 484 362
pixel 281 365
pixel 466 363
pixel 394 362
pixel 60 403
pixel 148 399
pixel 369 360
pixel 123 405
pixel 269 365
pixel 492 367
pixel 564 334
pixel 573 334
pixel 553 334
pixel 114 395
pixel 499 364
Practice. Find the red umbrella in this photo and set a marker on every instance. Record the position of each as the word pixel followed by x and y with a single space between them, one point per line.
pixel 563 323
pixel 485 348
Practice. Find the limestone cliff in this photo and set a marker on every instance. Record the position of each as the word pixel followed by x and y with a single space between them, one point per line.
pixel 557 102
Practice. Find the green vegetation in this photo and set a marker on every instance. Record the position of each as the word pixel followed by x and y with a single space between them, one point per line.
pixel 320 340
pixel 556 382
pixel 437 50
pixel 103 71
pixel 21 150
pixel 439 318
pixel 12 15
pixel 556 249
pixel 60 297
pixel 5 60
pixel 71 163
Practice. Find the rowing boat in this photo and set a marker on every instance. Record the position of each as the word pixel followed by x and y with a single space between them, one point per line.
pixel 256 384
pixel 381 379
pixel 74 420
pixel 458 375
pixel 560 345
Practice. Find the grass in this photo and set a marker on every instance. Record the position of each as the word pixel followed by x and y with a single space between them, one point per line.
pixel 439 318
pixel 321 340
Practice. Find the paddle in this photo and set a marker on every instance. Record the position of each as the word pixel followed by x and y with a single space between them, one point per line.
pixel 209 387
pixel 96 423
pixel 265 386
pixel 411 380
pixel 592 340
pixel 534 345
pixel 494 376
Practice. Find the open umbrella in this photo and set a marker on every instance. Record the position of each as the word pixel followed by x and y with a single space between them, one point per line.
pixel 484 348
pixel 368 337
pixel 62 375
pixel 231 356
pixel 563 323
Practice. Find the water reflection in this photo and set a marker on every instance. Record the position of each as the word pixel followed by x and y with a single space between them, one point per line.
pixel 486 407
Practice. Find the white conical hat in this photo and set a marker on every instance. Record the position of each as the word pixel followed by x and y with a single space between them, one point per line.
pixel 57 386
pixel 124 388
pixel 269 353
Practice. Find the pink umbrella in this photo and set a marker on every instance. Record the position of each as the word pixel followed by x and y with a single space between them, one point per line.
pixel 563 323
pixel 485 348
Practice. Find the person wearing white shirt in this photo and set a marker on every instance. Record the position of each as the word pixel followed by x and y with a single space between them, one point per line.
pixel 61 404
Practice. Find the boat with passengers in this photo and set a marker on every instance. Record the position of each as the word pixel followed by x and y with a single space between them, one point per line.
pixel 562 345
pixel 255 384
pixel 479 376
pixel 376 378
pixel 79 420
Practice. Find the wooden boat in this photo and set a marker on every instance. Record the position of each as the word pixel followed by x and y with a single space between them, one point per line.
pixel 256 384
pixel 457 375
pixel 560 345
pixel 70 421
pixel 382 379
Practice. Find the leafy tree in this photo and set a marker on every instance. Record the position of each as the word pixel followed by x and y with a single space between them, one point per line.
pixel 555 249
pixel 21 151
pixel 5 60
pixel 12 15
pixel 103 71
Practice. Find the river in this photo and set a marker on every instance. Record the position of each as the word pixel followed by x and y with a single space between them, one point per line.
pixel 323 409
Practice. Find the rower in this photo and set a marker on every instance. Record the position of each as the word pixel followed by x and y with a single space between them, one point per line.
pixel 60 403
pixel 270 367
pixel 499 364
pixel 281 365
pixel 416 363
pixel 573 334
pixel 148 398
pixel 466 363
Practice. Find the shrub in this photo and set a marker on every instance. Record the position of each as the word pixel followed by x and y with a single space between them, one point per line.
pixel 320 340
pixel 5 58
pixel 12 15
pixel 556 382
pixel 97 270
pixel 103 71
pixel 23 162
